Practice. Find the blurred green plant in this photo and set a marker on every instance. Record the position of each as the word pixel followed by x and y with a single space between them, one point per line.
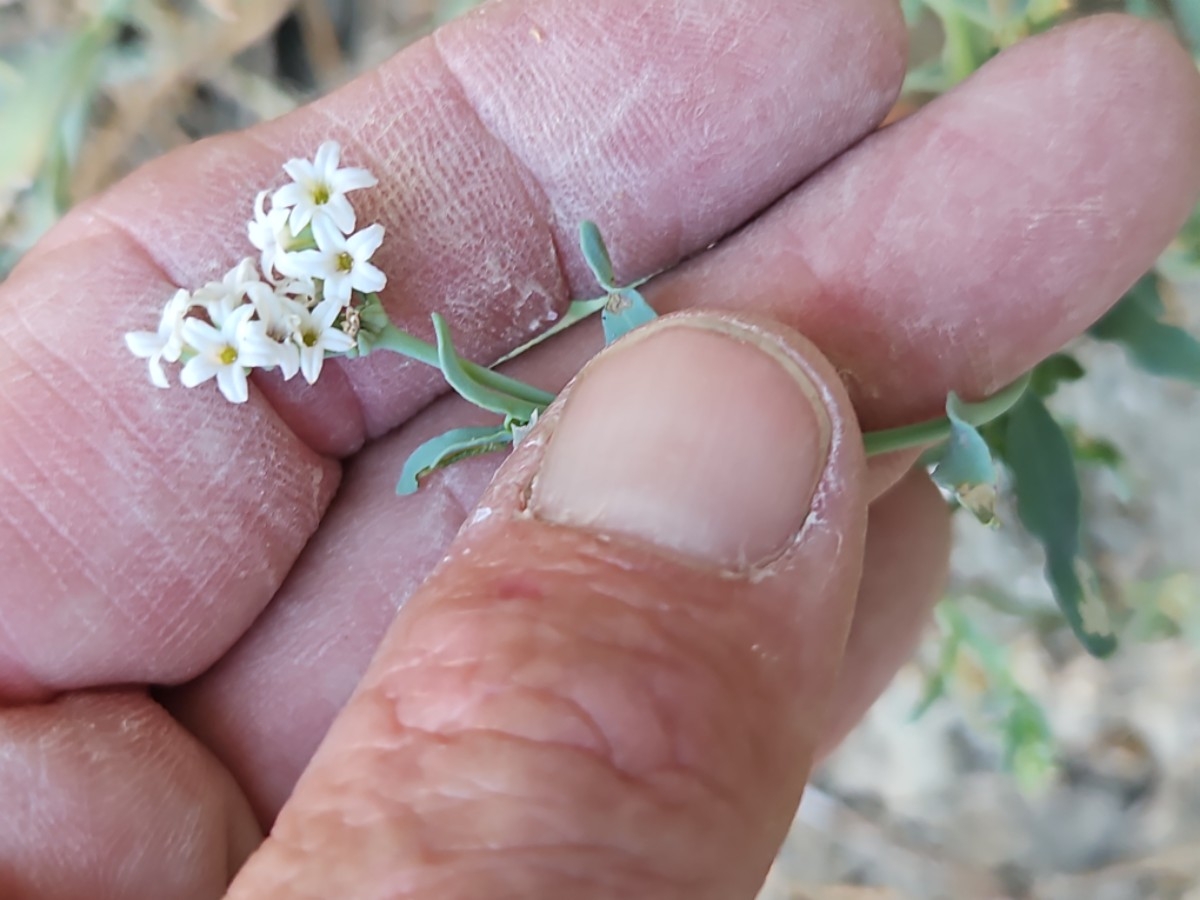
pixel 973 31
pixel 46 97
pixel 968 656
pixel 80 82
pixel 1039 455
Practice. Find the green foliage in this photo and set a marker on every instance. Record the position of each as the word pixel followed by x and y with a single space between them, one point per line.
pixel 1093 451
pixel 963 465
pixel 44 108
pixel 625 308
pixel 448 448
pixel 973 31
pixel 1053 371
pixel 1027 742
pixel 470 387
pixel 1049 503
pixel 1156 346
pixel 1040 453
pixel 1187 15
pixel 595 253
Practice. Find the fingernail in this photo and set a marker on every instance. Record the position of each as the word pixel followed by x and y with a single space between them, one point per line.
pixel 700 436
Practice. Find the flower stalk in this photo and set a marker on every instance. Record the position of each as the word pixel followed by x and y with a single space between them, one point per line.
pixel 313 294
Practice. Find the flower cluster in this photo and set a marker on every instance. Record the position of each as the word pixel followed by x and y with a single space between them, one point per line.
pixel 303 300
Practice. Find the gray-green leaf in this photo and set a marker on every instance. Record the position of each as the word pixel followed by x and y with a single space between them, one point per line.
pixel 468 386
pixel 626 310
pixel 964 465
pixel 448 448
pixel 1053 371
pixel 596 255
pixel 1187 14
pixel 1049 504
pixel 1157 347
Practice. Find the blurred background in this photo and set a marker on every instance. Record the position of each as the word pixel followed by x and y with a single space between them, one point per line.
pixel 1004 761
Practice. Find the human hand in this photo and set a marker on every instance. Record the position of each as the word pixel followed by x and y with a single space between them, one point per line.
pixel 552 714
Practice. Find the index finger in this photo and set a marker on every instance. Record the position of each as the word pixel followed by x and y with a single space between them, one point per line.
pixel 143 532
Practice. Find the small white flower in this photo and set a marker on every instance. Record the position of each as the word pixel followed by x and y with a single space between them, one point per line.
pixel 218 354
pixel 222 298
pixel 342 263
pixel 267 341
pixel 270 234
pixel 301 289
pixel 164 344
pixel 316 336
pixel 318 189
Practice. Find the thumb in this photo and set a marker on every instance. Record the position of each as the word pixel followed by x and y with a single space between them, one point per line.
pixel 614 684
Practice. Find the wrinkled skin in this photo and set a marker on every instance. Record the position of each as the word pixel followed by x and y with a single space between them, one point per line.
pixel 193 590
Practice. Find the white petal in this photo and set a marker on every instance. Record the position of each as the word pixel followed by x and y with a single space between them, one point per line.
pixel 302 214
pixel 235 323
pixel 329 238
pixel 202 336
pixel 173 348
pixel 267 260
pixel 260 233
pixel 295 287
pixel 336 341
pixel 368 278
pixel 339 210
pixel 144 344
pixel 241 275
pixel 289 360
pixel 157 376
pixel 263 297
pixel 221 307
pixel 257 351
pixel 301 171
pixel 338 287
pixel 352 180
pixel 303 264
pixel 197 370
pixel 260 205
pixel 362 246
pixel 287 196
pixel 176 308
pixel 233 384
pixel 311 359
pixel 326 311
pixel 325 163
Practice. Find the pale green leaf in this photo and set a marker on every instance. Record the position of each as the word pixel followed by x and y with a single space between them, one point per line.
pixel 595 253
pixel 626 310
pixel 448 448
pixel 462 379
pixel 964 465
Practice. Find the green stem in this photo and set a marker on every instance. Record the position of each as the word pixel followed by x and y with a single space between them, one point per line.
pixel 888 440
pixel 576 312
pixel 936 430
pixel 392 338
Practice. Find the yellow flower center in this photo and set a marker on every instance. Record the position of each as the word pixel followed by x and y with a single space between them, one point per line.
pixel 345 262
pixel 228 356
pixel 320 194
pixel 309 337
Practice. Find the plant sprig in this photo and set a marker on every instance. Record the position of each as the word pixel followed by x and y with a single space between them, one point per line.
pixel 963 458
